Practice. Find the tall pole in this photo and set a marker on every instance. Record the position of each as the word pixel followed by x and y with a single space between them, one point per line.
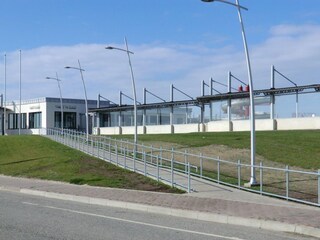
pixel 272 97
pixel 85 94
pixel 61 105
pixel 252 112
pixel 86 101
pixel 5 95
pixel 134 95
pixel 253 180
pixel 134 92
pixel 19 119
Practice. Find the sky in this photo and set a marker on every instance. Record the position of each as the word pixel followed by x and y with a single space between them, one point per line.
pixel 179 42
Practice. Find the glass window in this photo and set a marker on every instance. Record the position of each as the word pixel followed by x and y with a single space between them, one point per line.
pixel 23 120
pixel 164 116
pixel 35 120
pixel 57 119
pixel 69 120
pixel 13 120
pixel 105 119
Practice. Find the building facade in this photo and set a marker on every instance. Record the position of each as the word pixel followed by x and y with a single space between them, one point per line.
pixel 31 116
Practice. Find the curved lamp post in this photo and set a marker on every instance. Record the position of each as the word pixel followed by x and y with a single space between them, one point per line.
pixel 5 95
pixel 61 106
pixel 252 112
pixel 85 94
pixel 133 88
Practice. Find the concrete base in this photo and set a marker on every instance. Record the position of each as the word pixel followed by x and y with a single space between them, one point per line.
pixel 249 185
pixel 213 126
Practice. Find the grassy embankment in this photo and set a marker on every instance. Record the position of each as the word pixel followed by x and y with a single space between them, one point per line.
pixel 298 149
pixel 39 157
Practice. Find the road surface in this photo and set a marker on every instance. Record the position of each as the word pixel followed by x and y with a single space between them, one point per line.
pixel 24 217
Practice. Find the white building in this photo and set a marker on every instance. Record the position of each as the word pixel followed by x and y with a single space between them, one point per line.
pixel 45 112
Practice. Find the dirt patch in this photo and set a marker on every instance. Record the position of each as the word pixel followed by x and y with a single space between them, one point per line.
pixel 301 186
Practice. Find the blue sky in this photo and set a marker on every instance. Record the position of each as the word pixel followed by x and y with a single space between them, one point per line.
pixel 175 41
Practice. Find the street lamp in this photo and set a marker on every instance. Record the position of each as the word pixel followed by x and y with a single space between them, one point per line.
pixel 85 94
pixel 5 96
pixel 61 106
pixel 133 88
pixel 252 112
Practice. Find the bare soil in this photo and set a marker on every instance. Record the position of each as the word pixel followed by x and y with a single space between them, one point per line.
pixel 301 186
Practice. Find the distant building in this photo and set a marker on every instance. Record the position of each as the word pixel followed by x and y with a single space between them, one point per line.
pixel 40 113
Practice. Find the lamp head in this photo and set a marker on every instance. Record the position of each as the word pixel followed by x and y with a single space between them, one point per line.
pixel 109 47
pixel 207 0
pixel 67 67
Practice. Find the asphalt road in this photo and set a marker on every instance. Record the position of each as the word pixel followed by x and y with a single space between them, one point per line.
pixel 24 217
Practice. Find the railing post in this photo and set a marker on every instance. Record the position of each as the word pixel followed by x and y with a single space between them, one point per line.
pixel 68 137
pixel 201 165
pixel 63 138
pixel 78 136
pixel 87 143
pixel 218 170
pixel 145 163
pixel 172 153
pixel 239 173
pixel 80 142
pixel 160 155
pixel 189 178
pixel 158 177
pixel 110 151
pixel 125 158
pixel 185 161
pixel 98 143
pixel 261 178
pixel 92 147
pixel 134 158
pixel 72 138
pixel 172 172
pixel 287 182
pixel 104 150
pixel 151 156
pixel 116 149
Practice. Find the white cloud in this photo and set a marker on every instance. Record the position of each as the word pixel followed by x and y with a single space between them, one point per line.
pixel 293 49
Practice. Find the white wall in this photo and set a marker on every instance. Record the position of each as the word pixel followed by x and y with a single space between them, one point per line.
pixel 186 128
pixel 298 123
pixel 260 125
pixel 217 126
pixel 221 126
pixel 158 129
pixel 130 130
pixel 108 130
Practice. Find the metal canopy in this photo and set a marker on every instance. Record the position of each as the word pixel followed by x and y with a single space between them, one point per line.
pixel 263 92
pixel 145 106
pixel 208 98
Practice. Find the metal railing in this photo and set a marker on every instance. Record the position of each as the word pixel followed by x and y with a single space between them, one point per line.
pixel 180 168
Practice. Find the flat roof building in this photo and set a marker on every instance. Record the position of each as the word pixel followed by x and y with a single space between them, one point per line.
pixel 45 112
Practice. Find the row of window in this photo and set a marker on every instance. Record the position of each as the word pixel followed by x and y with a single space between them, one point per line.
pixel 69 120
pixel 34 120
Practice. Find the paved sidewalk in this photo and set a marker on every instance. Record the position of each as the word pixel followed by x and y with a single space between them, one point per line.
pixel 216 203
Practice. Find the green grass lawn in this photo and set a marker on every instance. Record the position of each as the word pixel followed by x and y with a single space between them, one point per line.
pixel 294 148
pixel 38 157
